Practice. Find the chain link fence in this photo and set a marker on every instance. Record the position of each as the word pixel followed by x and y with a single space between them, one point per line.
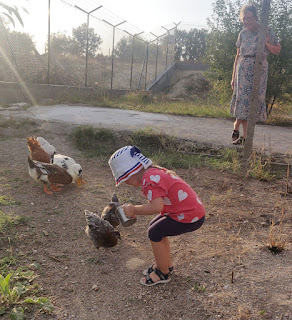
pixel 95 48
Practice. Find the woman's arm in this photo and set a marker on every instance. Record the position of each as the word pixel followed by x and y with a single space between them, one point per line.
pixel 270 37
pixel 234 68
pixel 273 49
pixel 153 207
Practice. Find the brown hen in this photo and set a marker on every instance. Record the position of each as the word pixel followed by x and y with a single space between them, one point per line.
pixel 37 153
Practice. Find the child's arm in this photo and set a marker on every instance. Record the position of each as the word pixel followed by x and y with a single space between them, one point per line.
pixel 153 207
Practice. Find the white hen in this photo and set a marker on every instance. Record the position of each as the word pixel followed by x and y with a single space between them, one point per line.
pixel 69 164
pixel 63 161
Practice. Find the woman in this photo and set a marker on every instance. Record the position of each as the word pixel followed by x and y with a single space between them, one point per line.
pixel 242 78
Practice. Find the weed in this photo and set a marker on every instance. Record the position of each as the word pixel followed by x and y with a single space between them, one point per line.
pixel 260 169
pixel 213 198
pixel 276 241
pixel 17 288
pixel 8 201
pixel 198 287
pixel 6 172
pixel 6 263
pixel 6 221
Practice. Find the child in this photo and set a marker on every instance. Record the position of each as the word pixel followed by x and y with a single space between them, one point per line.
pixel 178 207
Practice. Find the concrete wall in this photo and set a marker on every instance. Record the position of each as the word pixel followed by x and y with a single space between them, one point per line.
pixel 163 81
pixel 34 93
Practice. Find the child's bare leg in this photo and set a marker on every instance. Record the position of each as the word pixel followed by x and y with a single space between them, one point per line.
pixel 167 244
pixel 161 252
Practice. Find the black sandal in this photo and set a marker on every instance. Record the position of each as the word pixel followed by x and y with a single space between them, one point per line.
pixel 239 141
pixel 164 278
pixel 150 269
pixel 235 135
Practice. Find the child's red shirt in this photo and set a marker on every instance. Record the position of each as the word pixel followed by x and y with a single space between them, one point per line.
pixel 181 202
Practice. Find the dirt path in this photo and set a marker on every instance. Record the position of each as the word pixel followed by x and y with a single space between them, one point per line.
pixel 208 131
pixel 84 283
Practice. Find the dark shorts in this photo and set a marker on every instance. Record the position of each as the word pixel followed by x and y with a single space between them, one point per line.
pixel 164 226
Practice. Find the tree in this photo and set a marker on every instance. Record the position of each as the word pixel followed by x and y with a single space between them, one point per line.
pixel 61 44
pixel 80 39
pixel 123 49
pixel 280 67
pixel 225 26
pixel 190 45
pixel 9 12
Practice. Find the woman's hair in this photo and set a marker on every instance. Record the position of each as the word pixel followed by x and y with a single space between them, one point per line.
pixel 248 7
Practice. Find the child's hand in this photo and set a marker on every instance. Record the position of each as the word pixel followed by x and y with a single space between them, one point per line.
pixel 129 210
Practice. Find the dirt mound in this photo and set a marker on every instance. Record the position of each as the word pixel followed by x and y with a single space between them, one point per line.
pixel 188 84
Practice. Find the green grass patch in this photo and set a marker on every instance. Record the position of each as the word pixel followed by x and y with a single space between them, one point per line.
pixel 7 221
pixel 8 201
pixel 167 151
pixel 94 142
pixel 7 263
pixel 145 102
pixel 25 123
pixel 281 115
pixel 18 291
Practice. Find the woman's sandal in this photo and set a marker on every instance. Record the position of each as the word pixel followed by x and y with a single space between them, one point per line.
pixel 235 135
pixel 239 141
pixel 151 269
pixel 147 281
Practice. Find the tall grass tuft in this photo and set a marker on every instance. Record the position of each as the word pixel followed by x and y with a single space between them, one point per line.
pixel 260 168
pixel 276 241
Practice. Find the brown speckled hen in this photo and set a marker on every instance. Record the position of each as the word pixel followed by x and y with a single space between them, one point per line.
pixel 100 231
pixel 109 212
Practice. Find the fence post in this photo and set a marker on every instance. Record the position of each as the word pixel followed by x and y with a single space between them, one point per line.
pixel 167 39
pixel 113 49
pixel 132 58
pixel 175 37
pixel 157 37
pixel 87 28
pixel 256 83
pixel 49 40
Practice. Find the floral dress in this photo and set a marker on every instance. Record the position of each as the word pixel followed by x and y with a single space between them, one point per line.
pixel 241 99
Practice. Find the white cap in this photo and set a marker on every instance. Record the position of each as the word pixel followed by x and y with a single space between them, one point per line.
pixel 127 161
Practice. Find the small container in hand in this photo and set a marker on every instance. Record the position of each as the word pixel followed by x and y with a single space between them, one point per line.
pixel 125 221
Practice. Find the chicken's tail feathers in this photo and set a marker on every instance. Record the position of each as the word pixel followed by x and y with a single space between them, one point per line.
pixel 30 162
pixel 89 216
pixel 32 142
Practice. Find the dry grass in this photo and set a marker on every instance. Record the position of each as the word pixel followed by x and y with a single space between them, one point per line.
pixel 277 239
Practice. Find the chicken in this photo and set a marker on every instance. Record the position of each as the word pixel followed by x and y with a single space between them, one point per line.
pixel 100 231
pixel 51 174
pixel 41 150
pixel 49 149
pixel 37 152
pixel 68 164
pixel 109 212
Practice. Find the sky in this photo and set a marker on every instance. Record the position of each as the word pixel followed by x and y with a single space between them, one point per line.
pixel 147 16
